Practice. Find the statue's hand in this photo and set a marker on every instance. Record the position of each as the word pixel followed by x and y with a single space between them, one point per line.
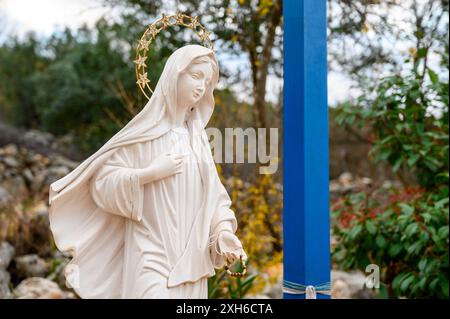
pixel 231 247
pixel 165 165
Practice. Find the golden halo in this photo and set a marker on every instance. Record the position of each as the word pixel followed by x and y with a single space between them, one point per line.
pixel 150 34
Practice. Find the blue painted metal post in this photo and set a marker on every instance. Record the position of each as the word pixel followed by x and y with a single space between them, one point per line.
pixel 305 147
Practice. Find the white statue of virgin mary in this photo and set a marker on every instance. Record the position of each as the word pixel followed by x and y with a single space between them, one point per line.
pixel 146 216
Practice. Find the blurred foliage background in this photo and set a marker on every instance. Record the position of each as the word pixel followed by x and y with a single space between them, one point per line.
pixel 388 132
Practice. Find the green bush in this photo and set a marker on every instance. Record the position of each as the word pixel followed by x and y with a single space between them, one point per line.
pixel 407 238
pixel 404 231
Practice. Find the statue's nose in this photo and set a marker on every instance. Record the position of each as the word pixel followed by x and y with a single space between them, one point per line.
pixel 200 90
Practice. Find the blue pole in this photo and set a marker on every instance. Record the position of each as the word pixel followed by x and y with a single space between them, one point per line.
pixel 305 147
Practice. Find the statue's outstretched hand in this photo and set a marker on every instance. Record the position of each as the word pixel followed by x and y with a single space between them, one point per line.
pixel 231 247
pixel 165 165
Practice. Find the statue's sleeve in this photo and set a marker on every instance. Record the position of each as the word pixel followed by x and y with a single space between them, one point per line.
pixel 217 258
pixel 223 220
pixel 116 188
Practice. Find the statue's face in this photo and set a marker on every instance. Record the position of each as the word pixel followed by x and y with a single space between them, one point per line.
pixel 193 82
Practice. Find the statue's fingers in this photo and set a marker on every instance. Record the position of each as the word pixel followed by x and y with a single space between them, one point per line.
pixel 233 256
pixel 178 163
pixel 230 257
pixel 244 256
pixel 180 155
pixel 176 159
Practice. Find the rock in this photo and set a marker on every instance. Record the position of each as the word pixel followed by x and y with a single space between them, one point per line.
pixel 62 161
pixel 43 138
pixel 387 184
pixel 11 161
pixel 38 182
pixel 40 209
pixel 55 173
pixel 28 175
pixel 345 178
pixel 340 290
pixel 5 293
pixel 345 285
pixel 59 262
pixel 258 296
pixel 10 149
pixel 15 185
pixel 60 275
pixel 366 181
pixel 5 198
pixel 40 288
pixel 59 171
pixel 6 254
pixel 39 159
pixel 274 291
pixel 335 187
pixel 30 266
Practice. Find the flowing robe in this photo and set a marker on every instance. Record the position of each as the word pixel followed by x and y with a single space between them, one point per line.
pixel 159 216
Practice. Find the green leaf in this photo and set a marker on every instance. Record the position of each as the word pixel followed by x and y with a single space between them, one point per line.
pixel 415 248
pixel 383 292
pixel 380 241
pixel 422 264
pixel 408 210
pixel 431 164
pixel 387 139
pixel 443 232
pixel 424 236
pixel 411 229
pixel 422 52
pixel 351 119
pixel 433 76
pixel 426 217
pixel 385 153
pixel 397 164
pixel 340 118
pixel 413 160
pixel 371 227
pixel 398 279
pixel 422 282
pixel 395 249
pixel 354 232
pixel 444 288
pixel 441 203
pixel 434 283
pixel 406 282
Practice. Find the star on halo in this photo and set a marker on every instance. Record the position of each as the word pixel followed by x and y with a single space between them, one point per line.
pixel 153 31
pixel 143 80
pixel 144 44
pixel 179 18
pixel 165 20
pixel 140 61
pixel 194 23
pixel 204 35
